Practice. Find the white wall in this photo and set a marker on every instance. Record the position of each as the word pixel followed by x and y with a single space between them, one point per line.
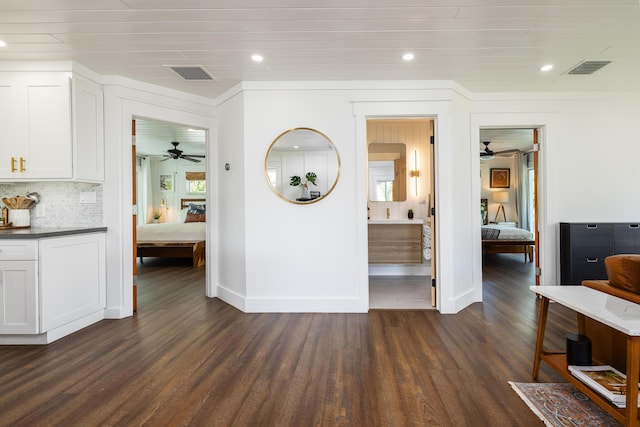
pixel 313 257
pixel 588 159
pixel 278 256
pixel 177 169
pixel 487 191
pixel 230 196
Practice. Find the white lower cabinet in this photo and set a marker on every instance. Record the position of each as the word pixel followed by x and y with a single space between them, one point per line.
pixel 72 274
pixel 18 297
pixel 50 287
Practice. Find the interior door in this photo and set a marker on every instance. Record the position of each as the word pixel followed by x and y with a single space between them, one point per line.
pixel 432 217
pixel 134 217
pixel 536 234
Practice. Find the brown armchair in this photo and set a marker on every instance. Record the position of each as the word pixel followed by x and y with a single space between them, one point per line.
pixel 623 274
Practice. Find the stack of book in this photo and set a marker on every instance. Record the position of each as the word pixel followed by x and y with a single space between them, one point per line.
pixel 606 380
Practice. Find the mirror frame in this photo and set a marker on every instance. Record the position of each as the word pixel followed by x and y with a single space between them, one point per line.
pixel 282 196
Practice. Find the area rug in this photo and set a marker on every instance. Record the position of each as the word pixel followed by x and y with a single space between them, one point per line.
pixel 561 404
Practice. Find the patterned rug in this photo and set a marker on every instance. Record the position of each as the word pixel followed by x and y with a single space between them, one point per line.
pixel 562 405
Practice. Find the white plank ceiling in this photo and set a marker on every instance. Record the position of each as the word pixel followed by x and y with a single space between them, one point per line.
pixel 484 45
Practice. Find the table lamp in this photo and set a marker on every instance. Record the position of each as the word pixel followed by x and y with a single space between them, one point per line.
pixel 501 197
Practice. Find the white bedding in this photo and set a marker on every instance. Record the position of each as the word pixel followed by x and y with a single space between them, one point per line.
pixel 172 232
pixel 510 233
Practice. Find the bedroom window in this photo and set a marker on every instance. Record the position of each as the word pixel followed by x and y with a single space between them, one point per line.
pixel 196 182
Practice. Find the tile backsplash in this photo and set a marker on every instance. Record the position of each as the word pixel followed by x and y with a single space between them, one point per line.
pixel 63 204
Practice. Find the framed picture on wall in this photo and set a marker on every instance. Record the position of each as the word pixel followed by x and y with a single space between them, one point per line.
pixel 166 182
pixel 500 178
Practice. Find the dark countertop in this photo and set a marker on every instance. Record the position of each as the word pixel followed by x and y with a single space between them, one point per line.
pixel 39 233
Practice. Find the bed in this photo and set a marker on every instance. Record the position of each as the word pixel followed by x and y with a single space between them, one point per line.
pixel 176 239
pixel 497 238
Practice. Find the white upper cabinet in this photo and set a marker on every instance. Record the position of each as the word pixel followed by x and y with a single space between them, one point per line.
pixel 53 127
pixel 88 130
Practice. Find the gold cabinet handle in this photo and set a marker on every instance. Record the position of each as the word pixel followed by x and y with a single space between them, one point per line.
pixel 13 164
pixel 22 162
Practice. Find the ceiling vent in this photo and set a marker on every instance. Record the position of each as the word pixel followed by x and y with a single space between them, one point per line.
pixel 191 72
pixel 588 67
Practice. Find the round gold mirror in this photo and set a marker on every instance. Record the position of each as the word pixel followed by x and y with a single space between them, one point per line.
pixel 302 165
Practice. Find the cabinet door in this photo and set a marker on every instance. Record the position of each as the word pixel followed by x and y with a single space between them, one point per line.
pixel 13 122
pixel 35 118
pixel 49 112
pixel 72 278
pixel 18 297
pixel 88 131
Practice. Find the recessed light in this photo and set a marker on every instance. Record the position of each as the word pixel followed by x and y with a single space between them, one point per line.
pixel 2 44
pixel 257 58
pixel 408 56
pixel 546 68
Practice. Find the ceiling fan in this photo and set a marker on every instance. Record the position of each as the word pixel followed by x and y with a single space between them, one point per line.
pixel 176 154
pixel 488 153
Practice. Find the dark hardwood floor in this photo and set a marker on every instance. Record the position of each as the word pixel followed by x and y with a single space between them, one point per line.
pixel 184 359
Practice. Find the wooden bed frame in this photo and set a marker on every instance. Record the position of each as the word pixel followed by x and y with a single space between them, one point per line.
pixel 509 246
pixel 183 249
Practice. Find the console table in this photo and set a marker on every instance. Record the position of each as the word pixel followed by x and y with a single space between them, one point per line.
pixel 615 312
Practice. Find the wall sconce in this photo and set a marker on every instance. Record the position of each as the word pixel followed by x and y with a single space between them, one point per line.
pixel 415 172
pixel 501 197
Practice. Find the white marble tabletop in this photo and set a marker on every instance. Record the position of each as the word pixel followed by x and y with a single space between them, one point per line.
pixel 616 312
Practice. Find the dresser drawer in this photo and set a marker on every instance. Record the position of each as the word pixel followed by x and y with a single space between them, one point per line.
pixel 18 250
pixel 592 235
pixel 627 238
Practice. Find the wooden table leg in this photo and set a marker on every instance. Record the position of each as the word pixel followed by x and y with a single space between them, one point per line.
pixel 542 323
pixel 633 373
pixel 582 324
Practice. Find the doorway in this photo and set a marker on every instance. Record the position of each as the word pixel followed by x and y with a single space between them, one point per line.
pixel 169 188
pixel 400 187
pixel 508 201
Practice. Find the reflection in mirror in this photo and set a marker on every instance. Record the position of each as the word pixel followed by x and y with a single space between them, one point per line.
pixel 387 172
pixel 302 165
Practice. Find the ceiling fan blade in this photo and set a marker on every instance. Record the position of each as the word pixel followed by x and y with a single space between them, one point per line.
pixel 166 158
pixel 190 159
pixel 201 156
pixel 508 152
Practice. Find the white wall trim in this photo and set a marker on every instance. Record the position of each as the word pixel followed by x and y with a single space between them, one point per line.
pixel 121 105
pixel 304 305
pixel 440 111
pixel 545 123
pixel 231 297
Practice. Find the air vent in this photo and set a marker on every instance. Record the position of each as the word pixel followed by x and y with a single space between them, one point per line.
pixel 191 72
pixel 588 67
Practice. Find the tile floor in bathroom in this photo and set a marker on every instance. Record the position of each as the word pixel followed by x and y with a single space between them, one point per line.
pixel 400 292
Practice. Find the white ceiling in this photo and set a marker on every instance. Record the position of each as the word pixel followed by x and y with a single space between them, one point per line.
pixel 153 138
pixel 484 45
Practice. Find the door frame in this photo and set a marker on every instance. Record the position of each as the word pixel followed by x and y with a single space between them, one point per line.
pixel 545 125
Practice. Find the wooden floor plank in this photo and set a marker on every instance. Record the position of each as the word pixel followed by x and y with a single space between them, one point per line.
pixel 184 359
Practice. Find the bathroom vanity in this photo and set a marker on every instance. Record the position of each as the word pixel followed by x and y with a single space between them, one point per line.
pixel 395 241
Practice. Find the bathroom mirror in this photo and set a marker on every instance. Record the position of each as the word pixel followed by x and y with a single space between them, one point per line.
pixel 302 166
pixel 387 170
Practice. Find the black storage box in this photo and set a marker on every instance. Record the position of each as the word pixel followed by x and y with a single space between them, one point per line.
pixel 578 350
